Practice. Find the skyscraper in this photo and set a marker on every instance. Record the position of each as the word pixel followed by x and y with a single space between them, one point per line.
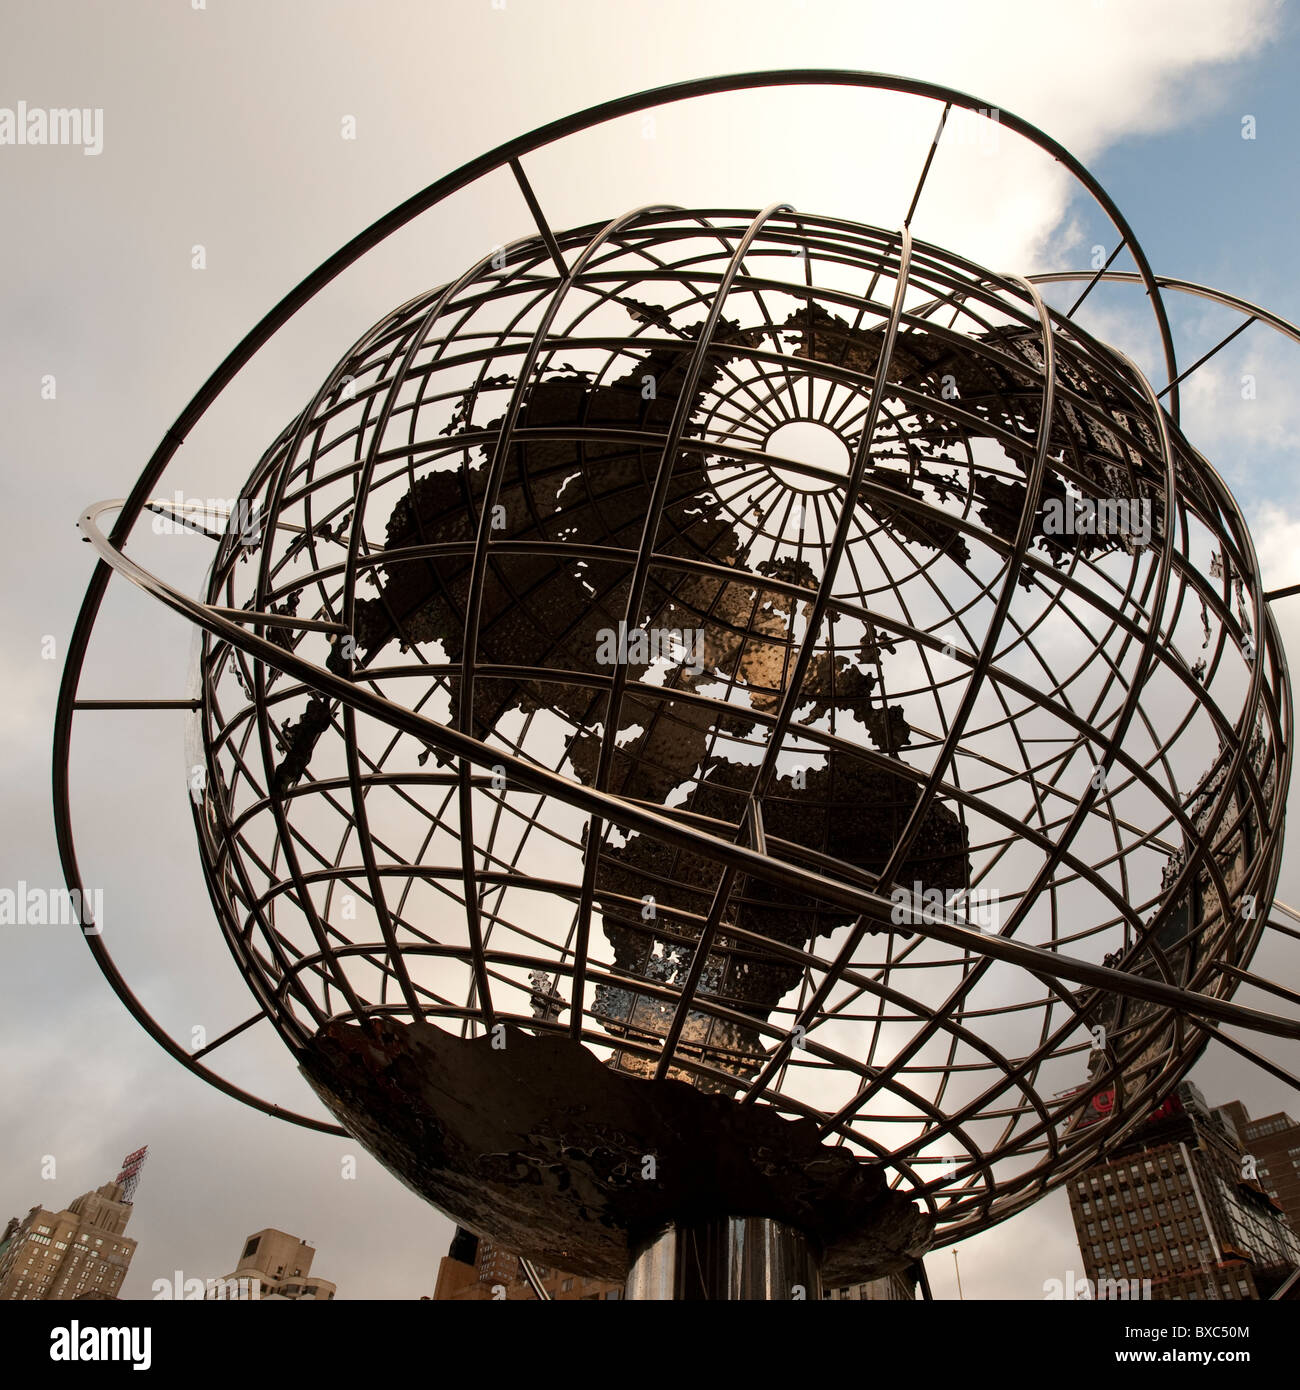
pixel 1274 1142
pixel 274 1264
pixel 79 1252
pixel 475 1269
pixel 889 1288
pixel 1177 1205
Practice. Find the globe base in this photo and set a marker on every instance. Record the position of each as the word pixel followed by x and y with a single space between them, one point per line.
pixel 736 1258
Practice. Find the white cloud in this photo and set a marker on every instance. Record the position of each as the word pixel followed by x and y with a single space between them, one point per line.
pixel 1276 533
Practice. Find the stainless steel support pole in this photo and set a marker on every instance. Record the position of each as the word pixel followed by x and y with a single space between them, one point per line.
pixel 730 1257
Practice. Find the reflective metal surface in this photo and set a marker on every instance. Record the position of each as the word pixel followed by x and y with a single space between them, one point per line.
pixel 736 1257
pixel 1132 902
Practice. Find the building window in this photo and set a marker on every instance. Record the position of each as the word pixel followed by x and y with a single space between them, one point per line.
pixel 251 1247
pixel 566 1286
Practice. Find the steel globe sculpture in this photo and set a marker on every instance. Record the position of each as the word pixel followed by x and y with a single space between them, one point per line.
pixel 733 730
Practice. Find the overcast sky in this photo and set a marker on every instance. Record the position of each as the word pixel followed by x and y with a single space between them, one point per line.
pixel 223 127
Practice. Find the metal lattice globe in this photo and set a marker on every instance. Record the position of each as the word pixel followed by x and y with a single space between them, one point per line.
pixel 819 651
pixel 736 713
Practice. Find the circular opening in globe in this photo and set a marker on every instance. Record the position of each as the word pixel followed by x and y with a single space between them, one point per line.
pixel 810 442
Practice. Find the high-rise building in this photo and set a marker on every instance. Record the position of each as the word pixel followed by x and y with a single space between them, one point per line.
pixel 274 1264
pixel 1175 1205
pixel 889 1288
pixel 79 1252
pixel 1274 1143
pixel 477 1268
